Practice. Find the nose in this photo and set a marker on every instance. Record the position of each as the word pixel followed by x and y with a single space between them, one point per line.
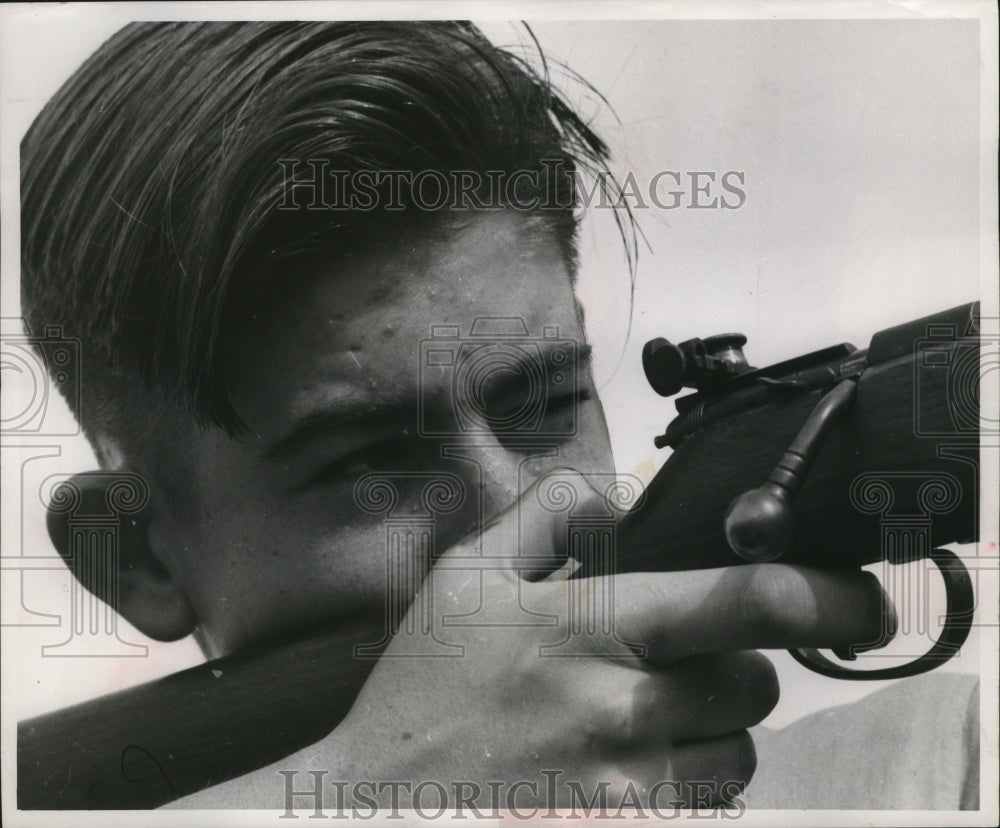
pixel 499 474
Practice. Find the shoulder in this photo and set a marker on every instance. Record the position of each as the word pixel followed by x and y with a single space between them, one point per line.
pixel 912 745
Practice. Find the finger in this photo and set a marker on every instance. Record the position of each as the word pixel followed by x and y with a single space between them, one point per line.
pixel 528 537
pixel 562 497
pixel 714 771
pixel 698 774
pixel 485 573
pixel 624 710
pixel 705 696
pixel 757 606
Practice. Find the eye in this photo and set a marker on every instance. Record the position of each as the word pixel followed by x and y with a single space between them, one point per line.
pixel 573 398
pixel 560 411
pixel 393 453
pixel 555 420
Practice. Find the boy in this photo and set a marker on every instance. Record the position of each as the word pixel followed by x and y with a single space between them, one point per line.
pixel 253 228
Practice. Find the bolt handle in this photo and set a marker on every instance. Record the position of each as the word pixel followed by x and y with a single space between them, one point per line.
pixel 759 523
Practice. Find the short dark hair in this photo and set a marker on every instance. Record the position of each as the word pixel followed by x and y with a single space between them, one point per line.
pixel 151 181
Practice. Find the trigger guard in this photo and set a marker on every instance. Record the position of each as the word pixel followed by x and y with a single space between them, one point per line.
pixel 957 623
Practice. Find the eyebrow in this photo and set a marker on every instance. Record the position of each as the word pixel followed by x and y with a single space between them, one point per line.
pixel 320 424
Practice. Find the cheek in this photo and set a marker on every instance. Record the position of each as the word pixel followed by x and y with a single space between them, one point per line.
pixel 260 578
pixel 332 570
pixel 264 568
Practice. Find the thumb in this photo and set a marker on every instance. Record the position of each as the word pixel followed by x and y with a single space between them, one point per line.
pixel 568 506
pixel 529 537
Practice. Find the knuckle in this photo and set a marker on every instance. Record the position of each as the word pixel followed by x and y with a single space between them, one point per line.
pixel 531 676
pixel 772 601
pixel 612 719
pixel 604 717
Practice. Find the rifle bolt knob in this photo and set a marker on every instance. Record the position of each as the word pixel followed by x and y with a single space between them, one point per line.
pixel 758 523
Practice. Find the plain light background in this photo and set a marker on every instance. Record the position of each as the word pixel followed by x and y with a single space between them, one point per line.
pixel 860 143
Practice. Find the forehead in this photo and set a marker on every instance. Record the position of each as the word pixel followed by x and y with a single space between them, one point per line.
pixel 352 333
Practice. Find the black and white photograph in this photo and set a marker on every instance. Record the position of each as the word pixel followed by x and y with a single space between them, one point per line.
pixel 500 413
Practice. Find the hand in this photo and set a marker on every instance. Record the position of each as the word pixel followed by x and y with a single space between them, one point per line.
pixel 507 709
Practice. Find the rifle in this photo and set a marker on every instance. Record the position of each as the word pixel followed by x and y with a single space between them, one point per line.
pixel 835 459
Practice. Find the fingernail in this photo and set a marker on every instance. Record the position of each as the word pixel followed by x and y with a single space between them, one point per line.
pixel 891 619
pixel 889 627
pixel 845 653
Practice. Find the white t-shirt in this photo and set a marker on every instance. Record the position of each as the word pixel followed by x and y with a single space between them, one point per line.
pixel 914 745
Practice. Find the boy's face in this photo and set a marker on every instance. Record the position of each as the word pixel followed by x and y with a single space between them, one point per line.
pixel 333 384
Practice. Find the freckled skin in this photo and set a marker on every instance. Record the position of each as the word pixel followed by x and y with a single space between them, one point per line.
pixel 260 552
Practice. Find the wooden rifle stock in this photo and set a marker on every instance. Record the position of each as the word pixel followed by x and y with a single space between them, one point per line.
pixel 911 435
pixel 146 746
pixel 907 446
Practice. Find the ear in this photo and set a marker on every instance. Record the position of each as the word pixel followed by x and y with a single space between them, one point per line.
pixel 99 523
